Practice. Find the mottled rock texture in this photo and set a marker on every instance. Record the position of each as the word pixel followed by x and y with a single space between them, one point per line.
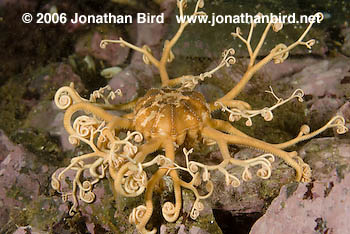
pixel 321 206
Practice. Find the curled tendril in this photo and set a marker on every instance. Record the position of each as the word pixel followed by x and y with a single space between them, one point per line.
pixel 182 4
pixel 249 122
pixel 73 209
pixel 118 161
pixel 66 96
pixel 228 58
pixel 194 214
pixel 162 161
pixel 234 118
pixel 84 126
pixel 299 94
pixel 168 211
pixel 339 123
pixel 87 196
pixel 266 113
pixel 137 214
pixel 342 129
pixel 246 175
pixel 63 100
pixel 305 129
pixel 86 186
pixel 129 150
pixel 105 93
pixel 198 206
pixel 280 57
pixel 74 140
pixel 138 137
pixel 196 209
pixel 55 183
pixel 121 150
pixel 237 33
pixel 230 61
pixel 144 57
pixel 237 113
pixel 200 3
pixel 103 44
pixel 264 173
pixel 305 168
pixel 85 189
pixel 309 43
pixel 135 183
pixel 232 180
pixel 277 26
pixel 319 15
pixel 193 167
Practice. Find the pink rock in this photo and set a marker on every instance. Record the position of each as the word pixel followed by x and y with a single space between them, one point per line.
pixel 321 206
pixel 272 71
pixel 167 7
pixel 323 78
pixel 346 45
pixel 125 81
pixel 325 212
pixel 323 109
pixel 71 28
pixel 56 128
pixel 113 54
pixel 45 115
pixel 23 230
pixel 64 75
pixel 11 178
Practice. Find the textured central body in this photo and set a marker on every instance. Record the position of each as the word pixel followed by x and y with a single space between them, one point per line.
pixel 171 113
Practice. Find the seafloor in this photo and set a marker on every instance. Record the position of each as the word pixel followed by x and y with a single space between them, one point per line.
pixel 37 59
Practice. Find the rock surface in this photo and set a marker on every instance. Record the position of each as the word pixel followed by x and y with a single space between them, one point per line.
pixel 321 206
pixel 346 45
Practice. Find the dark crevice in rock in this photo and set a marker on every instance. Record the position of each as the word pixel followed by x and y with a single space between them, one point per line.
pixel 308 194
pixel 345 80
pixel 238 224
pixel 321 226
pixel 329 188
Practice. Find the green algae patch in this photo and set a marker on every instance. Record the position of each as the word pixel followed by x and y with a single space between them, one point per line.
pixel 46 149
pixel 13 109
pixel 341 171
pixel 269 189
pixel 291 188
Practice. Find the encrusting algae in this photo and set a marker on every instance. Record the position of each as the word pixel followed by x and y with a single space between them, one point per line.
pixel 166 118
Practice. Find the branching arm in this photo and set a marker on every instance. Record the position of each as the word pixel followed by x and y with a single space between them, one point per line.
pixel 277 54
